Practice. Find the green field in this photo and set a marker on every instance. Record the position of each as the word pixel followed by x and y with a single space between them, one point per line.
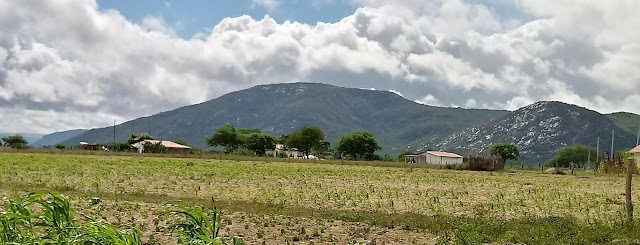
pixel 308 203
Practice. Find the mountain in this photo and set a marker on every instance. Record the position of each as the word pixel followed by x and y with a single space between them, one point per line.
pixel 282 108
pixel 57 137
pixel 28 136
pixel 539 130
pixel 625 120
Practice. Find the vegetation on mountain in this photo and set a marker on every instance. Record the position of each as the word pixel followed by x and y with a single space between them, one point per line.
pixel 360 145
pixel 628 121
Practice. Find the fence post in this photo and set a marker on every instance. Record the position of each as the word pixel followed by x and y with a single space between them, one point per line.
pixel 628 189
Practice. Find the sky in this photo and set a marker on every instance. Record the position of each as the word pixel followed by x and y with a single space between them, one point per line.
pixel 67 64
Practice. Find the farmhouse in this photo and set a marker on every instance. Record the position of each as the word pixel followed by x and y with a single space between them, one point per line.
pixel 636 154
pixel 172 147
pixel 435 157
pixel 282 151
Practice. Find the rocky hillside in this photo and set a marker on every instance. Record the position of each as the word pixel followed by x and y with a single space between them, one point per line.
pixel 282 108
pixel 539 130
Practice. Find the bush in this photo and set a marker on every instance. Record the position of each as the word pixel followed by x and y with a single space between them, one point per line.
pixel 60 146
pixel 493 163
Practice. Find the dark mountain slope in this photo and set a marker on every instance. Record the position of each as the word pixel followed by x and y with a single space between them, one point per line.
pixel 282 108
pixel 57 137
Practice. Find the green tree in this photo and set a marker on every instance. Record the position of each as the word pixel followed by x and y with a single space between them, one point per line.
pixel 227 137
pixel 60 146
pixel 137 138
pixel 155 148
pixel 401 156
pixel 181 141
pixel 577 154
pixel 358 145
pixel 260 143
pixel 307 139
pixel 15 141
pixel 119 146
pixel 508 151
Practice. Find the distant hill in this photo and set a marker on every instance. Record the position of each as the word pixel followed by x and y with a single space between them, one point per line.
pixel 539 130
pixel 28 136
pixel 58 137
pixel 282 108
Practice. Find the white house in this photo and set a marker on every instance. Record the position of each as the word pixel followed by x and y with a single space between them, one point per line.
pixel 435 157
pixel 282 150
pixel 636 154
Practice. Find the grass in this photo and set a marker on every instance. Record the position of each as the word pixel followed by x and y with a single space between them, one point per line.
pixel 359 201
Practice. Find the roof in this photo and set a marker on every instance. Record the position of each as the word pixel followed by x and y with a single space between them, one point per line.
pixel 635 150
pixel 165 143
pixel 443 154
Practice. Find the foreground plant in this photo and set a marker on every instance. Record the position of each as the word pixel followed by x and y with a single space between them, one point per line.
pixel 197 226
pixel 47 218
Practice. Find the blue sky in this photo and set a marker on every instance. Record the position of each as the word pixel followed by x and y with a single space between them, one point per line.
pixel 193 16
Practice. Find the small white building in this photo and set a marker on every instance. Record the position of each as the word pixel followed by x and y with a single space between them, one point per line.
pixel 636 154
pixel 281 150
pixel 435 157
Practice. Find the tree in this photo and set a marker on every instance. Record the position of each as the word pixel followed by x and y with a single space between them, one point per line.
pixel 60 146
pixel 577 154
pixel 15 141
pixel 401 156
pixel 181 141
pixel 508 151
pixel 307 139
pixel 155 148
pixel 227 137
pixel 137 138
pixel 358 145
pixel 260 143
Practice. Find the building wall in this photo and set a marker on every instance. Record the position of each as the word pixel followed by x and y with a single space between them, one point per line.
pixel 637 156
pixel 431 159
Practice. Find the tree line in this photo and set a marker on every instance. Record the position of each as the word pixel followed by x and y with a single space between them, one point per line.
pixel 360 145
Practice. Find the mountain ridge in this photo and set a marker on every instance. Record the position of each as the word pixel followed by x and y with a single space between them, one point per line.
pixel 398 124
pixel 282 108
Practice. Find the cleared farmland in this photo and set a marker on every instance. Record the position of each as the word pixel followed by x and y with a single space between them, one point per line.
pixel 410 204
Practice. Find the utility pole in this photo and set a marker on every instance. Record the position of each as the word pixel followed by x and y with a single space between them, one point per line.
pixel 613 133
pixel 597 165
pixel 598 149
pixel 628 189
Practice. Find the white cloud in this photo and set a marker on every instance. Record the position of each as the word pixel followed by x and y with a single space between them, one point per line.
pixel 269 5
pixel 396 92
pixel 429 100
pixel 66 59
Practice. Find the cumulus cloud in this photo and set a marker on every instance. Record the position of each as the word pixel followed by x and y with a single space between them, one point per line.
pixel 64 61
pixel 269 5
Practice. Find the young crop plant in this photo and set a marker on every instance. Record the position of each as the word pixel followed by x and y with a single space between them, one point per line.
pixel 196 226
pixel 47 218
